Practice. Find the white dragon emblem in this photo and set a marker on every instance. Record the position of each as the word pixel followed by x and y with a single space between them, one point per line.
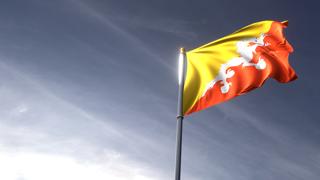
pixel 246 48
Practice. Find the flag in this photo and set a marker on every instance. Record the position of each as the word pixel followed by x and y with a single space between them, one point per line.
pixel 236 64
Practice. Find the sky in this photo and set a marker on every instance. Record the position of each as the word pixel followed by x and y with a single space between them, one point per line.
pixel 88 90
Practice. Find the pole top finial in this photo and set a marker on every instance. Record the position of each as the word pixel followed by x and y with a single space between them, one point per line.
pixel 182 50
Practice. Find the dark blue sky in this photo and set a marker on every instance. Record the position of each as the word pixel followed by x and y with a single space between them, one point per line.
pixel 88 90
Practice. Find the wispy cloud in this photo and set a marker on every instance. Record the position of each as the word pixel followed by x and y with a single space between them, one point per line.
pixel 37 166
pixel 180 28
pixel 85 8
pixel 44 130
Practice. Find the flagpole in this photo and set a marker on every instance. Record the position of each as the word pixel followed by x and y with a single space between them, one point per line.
pixel 182 68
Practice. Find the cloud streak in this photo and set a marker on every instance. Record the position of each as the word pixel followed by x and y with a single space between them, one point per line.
pixel 42 127
pixel 137 43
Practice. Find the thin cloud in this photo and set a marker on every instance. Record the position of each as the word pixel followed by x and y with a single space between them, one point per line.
pixel 42 129
pixel 127 35
pixel 180 28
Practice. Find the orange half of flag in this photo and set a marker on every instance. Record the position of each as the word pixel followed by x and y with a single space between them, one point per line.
pixel 236 64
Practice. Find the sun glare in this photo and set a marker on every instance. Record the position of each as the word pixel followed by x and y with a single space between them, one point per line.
pixel 180 68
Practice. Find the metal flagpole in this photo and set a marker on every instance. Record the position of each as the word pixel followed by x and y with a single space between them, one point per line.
pixel 182 69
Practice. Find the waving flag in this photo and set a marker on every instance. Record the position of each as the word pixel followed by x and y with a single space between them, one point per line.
pixel 236 64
